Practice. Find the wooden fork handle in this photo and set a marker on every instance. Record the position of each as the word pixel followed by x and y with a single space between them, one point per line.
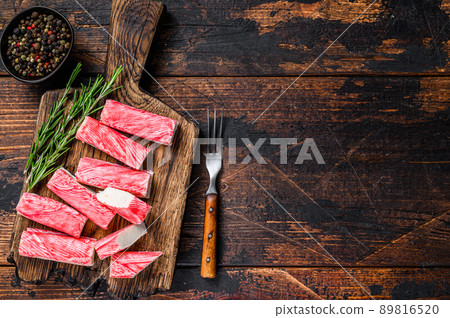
pixel 209 260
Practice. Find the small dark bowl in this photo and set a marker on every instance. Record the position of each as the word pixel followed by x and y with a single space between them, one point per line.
pixel 9 31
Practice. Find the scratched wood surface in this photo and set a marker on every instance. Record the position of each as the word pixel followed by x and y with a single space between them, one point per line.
pixel 274 37
pixel 376 104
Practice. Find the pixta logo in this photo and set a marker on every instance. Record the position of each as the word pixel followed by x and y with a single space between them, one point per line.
pixel 308 151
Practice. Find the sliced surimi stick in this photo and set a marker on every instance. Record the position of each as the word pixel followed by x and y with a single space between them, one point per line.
pixel 120 240
pixel 103 174
pixel 64 185
pixel 51 213
pixel 113 143
pixel 129 264
pixel 125 204
pixel 138 122
pixel 57 247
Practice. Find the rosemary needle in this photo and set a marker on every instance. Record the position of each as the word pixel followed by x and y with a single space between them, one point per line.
pixel 47 156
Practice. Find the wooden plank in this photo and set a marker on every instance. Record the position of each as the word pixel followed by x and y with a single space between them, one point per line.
pixel 249 38
pixel 259 283
pixel 170 180
pixel 392 130
pixel 58 286
pixel 312 283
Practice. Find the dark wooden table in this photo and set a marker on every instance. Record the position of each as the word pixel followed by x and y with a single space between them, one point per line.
pixel 376 104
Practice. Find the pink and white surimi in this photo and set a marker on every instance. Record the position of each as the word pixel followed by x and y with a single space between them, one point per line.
pixel 129 264
pixel 57 247
pixel 113 143
pixel 120 240
pixel 64 185
pixel 125 204
pixel 103 174
pixel 138 122
pixel 51 213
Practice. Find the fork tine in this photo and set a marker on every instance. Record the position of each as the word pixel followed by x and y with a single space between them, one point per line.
pixel 207 120
pixel 221 121
pixel 214 131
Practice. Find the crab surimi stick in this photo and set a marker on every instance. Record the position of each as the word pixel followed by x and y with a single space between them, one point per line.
pixel 57 247
pixel 113 143
pixel 129 264
pixel 103 174
pixel 64 185
pixel 125 204
pixel 120 240
pixel 138 122
pixel 51 213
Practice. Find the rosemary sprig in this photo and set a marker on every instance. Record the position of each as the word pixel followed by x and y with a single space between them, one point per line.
pixel 84 104
pixel 47 130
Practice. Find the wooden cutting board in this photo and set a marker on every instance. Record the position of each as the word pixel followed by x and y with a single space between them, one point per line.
pixel 132 25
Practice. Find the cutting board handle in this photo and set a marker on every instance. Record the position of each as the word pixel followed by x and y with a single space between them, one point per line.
pixel 132 28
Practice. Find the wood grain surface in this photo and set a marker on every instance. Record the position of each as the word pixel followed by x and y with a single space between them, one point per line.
pixel 258 283
pixel 376 104
pixel 276 37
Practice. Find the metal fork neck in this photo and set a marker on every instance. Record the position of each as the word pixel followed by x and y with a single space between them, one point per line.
pixel 212 186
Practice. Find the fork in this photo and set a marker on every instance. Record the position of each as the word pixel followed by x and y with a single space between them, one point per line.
pixel 213 164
